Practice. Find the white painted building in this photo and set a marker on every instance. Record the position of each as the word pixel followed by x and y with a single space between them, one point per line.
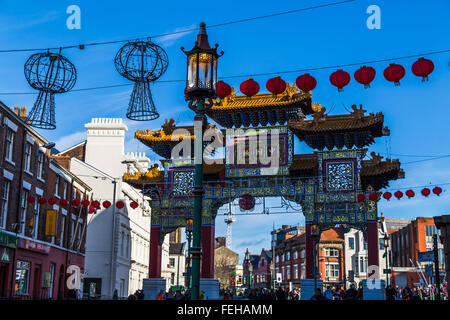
pixel 356 258
pixel 118 240
pixel 177 265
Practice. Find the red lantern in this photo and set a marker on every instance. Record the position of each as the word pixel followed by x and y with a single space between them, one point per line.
pixel 373 196
pixel 306 82
pixel 437 190
pixel 31 199
pixel 276 85
pixel 76 202
pixel 96 204
pixel 52 201
pixel 134 204
pixel 85 203
pixel 42 200
pixel 247 202
pixel 394 73
pixel 365 76
pixel 63 202
pixel 340 79
pixel 398 194
pixel 91 209
pixel 387 195
pixel 106 204
pixel 249 87
pixel 425 192
pixel 223 90
pixel 361 197
pixel 422 68
pixel 409 193
pixel 120 204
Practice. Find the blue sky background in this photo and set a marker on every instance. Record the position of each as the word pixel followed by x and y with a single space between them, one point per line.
pixel 417 113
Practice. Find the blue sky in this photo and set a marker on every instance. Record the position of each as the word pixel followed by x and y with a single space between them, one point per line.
pixel 417 113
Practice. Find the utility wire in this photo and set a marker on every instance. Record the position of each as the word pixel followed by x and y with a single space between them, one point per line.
pixel 82 46
pixel 255 74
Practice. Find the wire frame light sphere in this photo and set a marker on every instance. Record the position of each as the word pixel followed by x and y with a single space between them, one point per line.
pixel 141 62
pixel 50 73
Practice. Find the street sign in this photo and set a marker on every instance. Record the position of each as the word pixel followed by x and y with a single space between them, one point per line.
pixel 279 278
pixel 427 256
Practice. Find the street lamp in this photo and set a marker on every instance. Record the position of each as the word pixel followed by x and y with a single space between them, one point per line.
pixel 200 86
pixel 189 222
pixel 386 245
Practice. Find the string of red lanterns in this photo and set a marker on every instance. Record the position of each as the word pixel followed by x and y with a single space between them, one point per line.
pixel 398 194
pixel 364 75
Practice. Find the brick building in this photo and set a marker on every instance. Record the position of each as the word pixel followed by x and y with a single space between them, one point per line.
pixel 406 243
pixel 257 269
pixel 290 258
pixel 33 264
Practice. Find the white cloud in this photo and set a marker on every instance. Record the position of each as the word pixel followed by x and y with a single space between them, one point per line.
pixel 70 140
pixel 172 38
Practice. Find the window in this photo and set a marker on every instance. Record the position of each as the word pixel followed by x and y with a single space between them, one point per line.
pixel 172 262
pixel 365 244
pixel 282 258
pixel 65 190
pixel 122 246
pixel 302 271
pixel 288 256
pixel 302 254
pixel 295 276
pixel 363 264
pixel 288 272
pixel 332 270
pixel 294 254
pixel 331 252
pixel 9 144
pixel 172 278
pixel 351 243
pixel 4 203
pixel 56 185
pixel 63 227
pixel 40 165
pixel 278 259
pixel 37 211
pixel 381 240
pixel 72 230
pixel 22 277
pixel 23 211
pixel 128 246
pixel 52 277
pixel 27 156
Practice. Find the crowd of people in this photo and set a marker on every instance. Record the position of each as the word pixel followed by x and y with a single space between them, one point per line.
pixel 416 293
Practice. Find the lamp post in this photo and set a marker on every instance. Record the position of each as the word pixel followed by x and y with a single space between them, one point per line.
pixel 386 245
pixel 200 90
pixel 189 223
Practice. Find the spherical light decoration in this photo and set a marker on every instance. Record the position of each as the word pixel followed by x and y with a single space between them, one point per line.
pixel 276 85
pixel 91 209
pixel 96 204
pixel 423 68
pixel 387 195
pixel 134 204
pixel 340 79
pixel 247 202
pixel 52 201
pixel 437 190
pixel 76 202
pixel 31 199
pixel 85 203
pixel 223 90
pixel 106 204
pixel 120 204
pixel 249 87
pixel 425 192
pixel 365 76
pixel 63 202
pixel 398 194
pixel 42 200
pixel 410 193
pixel 394 73
pixel 306 82
pixel 50 73
pixel 141 62
pixel 361 197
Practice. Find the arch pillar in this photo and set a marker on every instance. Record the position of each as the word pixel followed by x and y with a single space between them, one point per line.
pixel 208 240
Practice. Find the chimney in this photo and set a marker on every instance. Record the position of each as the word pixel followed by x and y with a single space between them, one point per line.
pixel 21 112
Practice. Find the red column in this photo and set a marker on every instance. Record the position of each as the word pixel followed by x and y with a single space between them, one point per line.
pixel 155 253
pixel 372 244
pixel 207 251
pixel 309 252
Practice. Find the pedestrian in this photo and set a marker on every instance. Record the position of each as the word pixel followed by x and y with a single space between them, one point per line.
pixel 352 293
pixel 115 295
pixel 328 293
pixel 318 296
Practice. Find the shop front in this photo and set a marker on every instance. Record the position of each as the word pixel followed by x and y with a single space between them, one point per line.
pixel 8 244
